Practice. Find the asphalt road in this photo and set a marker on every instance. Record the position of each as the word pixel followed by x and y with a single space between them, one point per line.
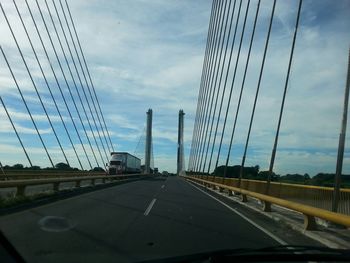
pixel 141 220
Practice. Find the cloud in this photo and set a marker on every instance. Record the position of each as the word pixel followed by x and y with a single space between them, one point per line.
pixel 146 54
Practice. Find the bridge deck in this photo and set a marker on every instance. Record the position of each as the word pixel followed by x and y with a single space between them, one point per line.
pixel 156 218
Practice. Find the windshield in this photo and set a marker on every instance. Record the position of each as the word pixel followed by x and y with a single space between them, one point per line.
pixel 148 130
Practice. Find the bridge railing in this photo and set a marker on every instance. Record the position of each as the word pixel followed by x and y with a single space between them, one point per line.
pixel 41 174
pixel 316 196
pixel 307 200
pixel 21 185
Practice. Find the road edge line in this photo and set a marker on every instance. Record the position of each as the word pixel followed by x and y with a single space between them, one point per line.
pixel 280 241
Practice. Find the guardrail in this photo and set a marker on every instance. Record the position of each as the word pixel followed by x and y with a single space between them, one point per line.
pixel 33 174
pixel 315 196
pixel 309 212
pixel 21 185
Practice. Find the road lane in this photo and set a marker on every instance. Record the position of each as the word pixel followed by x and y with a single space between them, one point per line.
pixel 111 225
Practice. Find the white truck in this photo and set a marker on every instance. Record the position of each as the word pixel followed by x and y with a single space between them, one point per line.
pixel 123 163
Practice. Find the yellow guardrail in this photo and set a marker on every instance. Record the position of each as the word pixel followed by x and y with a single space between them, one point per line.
pixel 21 185
pixel 309 212
pixel 315 196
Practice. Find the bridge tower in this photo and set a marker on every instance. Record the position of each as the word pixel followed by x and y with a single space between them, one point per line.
pixel 148 147
pixel 180 147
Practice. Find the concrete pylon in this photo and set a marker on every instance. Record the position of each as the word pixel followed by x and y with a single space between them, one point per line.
pixel 148 148
pixel 180 140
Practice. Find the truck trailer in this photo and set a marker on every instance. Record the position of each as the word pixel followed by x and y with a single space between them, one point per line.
pixel 123 163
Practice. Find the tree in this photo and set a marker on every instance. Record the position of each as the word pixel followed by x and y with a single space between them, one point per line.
pixel 62 166
pixel 18 166
pixel 98 169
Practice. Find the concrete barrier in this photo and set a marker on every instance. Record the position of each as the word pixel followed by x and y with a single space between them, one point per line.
pixel 21 185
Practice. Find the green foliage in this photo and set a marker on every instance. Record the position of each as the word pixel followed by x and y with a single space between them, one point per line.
pixel 234 171
pixel 17 200
pixel 62 166
pixel 18 166
pixel 98 169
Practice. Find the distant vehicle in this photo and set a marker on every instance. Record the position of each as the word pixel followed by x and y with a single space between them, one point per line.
pixel 123 163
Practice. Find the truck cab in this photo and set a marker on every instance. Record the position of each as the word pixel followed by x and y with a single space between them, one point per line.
pixel 116 165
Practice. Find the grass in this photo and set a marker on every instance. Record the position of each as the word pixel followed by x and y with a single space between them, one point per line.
pixel 10 200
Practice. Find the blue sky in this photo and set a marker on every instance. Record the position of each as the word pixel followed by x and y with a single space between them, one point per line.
pixel 149 54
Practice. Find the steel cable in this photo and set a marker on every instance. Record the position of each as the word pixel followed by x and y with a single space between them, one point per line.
pixel 25 103
pixel 224 88
pixel 205 87
pixel 78 75
pixel 209 88
pixel 243 80
pixel 256 96
pixel 89 75
pixel 14 128
pixel 200 88
pixel 82 69
pixel 34 85
pixel 46 82
pixel 75 86
pixel 273 154
pixel 225 83
pixel 216 79
pixel 66 81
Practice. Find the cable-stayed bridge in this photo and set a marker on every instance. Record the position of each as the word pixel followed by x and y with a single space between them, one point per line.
pixel 80 210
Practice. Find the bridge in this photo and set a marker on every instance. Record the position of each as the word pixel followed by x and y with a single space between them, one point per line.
pixel 74 210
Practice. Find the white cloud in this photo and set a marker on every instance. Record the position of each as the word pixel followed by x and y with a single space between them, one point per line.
pixel 149 54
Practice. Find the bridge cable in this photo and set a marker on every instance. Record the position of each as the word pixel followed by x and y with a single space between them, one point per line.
pixel 74 83
pixel 85 78
pixel 212 89
pixel 224 88
pixel 25 103
pixel 60 89
pixel 204 86
pixel 14 128
pixel 216 79
pixel 66 81
pixel 34 85
pixel 255 99
pixel 201 89
pixel 233 42
pixel 273 155
pixel 86 82
pixel 243 80
pixel 237 58
pixel 46 81
pixel 226 78
pixel 141 139
pixel 87 69
pixel 77 72
pixel 209 88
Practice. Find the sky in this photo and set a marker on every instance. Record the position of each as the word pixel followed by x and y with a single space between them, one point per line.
pixel 149 54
